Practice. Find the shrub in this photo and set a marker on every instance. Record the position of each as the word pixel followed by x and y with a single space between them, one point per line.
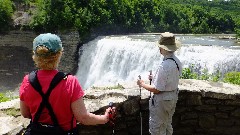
pixel 205 75
pixel 238 32
pixel 216 77
pixel 232 77
pixel 187 73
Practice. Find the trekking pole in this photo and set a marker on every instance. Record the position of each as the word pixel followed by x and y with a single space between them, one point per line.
pixel 140 104
pixel 111 118
pixel 150 79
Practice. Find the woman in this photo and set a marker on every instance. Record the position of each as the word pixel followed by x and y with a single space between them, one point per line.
pixel 66 99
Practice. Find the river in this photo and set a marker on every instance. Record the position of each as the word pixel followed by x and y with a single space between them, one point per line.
pixel 109 60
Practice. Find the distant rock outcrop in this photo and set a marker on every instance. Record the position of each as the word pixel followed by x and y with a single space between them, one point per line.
pixel 16 56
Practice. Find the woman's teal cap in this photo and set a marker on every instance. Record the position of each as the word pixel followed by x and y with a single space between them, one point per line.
pixel 48 40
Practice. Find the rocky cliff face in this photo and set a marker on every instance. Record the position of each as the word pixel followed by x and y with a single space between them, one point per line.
pixel 16 56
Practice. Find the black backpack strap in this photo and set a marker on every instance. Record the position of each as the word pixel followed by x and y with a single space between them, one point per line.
pixel 45 103
pixel 174 61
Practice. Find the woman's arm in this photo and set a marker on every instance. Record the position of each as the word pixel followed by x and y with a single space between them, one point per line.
pixel 25 110
pixel 87 118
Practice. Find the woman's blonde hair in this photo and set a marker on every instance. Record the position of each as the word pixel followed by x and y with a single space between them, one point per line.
pixel 46 60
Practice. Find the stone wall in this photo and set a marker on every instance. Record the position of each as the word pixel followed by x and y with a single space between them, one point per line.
pixel 207 113
pixel 16 56
pixel 203 108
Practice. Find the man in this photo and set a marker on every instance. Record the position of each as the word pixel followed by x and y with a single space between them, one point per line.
pixel 165 87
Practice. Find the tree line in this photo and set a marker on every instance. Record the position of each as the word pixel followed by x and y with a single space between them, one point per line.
pixel 129 16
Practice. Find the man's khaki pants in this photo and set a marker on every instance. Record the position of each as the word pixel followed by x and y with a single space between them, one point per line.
pixel 161 112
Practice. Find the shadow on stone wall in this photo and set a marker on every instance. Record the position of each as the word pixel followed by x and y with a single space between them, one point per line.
pixel 198 112
pixel 195 114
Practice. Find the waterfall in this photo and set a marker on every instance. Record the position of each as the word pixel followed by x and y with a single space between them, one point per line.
pixel 116 59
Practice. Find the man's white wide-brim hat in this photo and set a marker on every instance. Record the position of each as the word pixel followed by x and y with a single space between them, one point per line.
pixel 168 42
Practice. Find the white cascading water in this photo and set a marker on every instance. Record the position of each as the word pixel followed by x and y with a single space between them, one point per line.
pixel 116 59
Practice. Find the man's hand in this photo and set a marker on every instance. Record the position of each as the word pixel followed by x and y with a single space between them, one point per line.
pixel 140 82
pixel 150 76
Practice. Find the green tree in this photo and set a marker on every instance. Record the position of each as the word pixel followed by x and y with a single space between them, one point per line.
pixel 237 28
pixel 53 15
pixel 182 16
pixel 6 12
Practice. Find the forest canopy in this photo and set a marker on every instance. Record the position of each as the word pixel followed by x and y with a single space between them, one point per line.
pixel 131 16
pixel 6 12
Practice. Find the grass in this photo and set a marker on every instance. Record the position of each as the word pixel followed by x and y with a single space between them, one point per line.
pixel 7 96
pixel 3 98
pixel 118 86
pixel 12 112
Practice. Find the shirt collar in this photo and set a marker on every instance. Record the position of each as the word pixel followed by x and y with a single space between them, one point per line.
pixel 168 56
